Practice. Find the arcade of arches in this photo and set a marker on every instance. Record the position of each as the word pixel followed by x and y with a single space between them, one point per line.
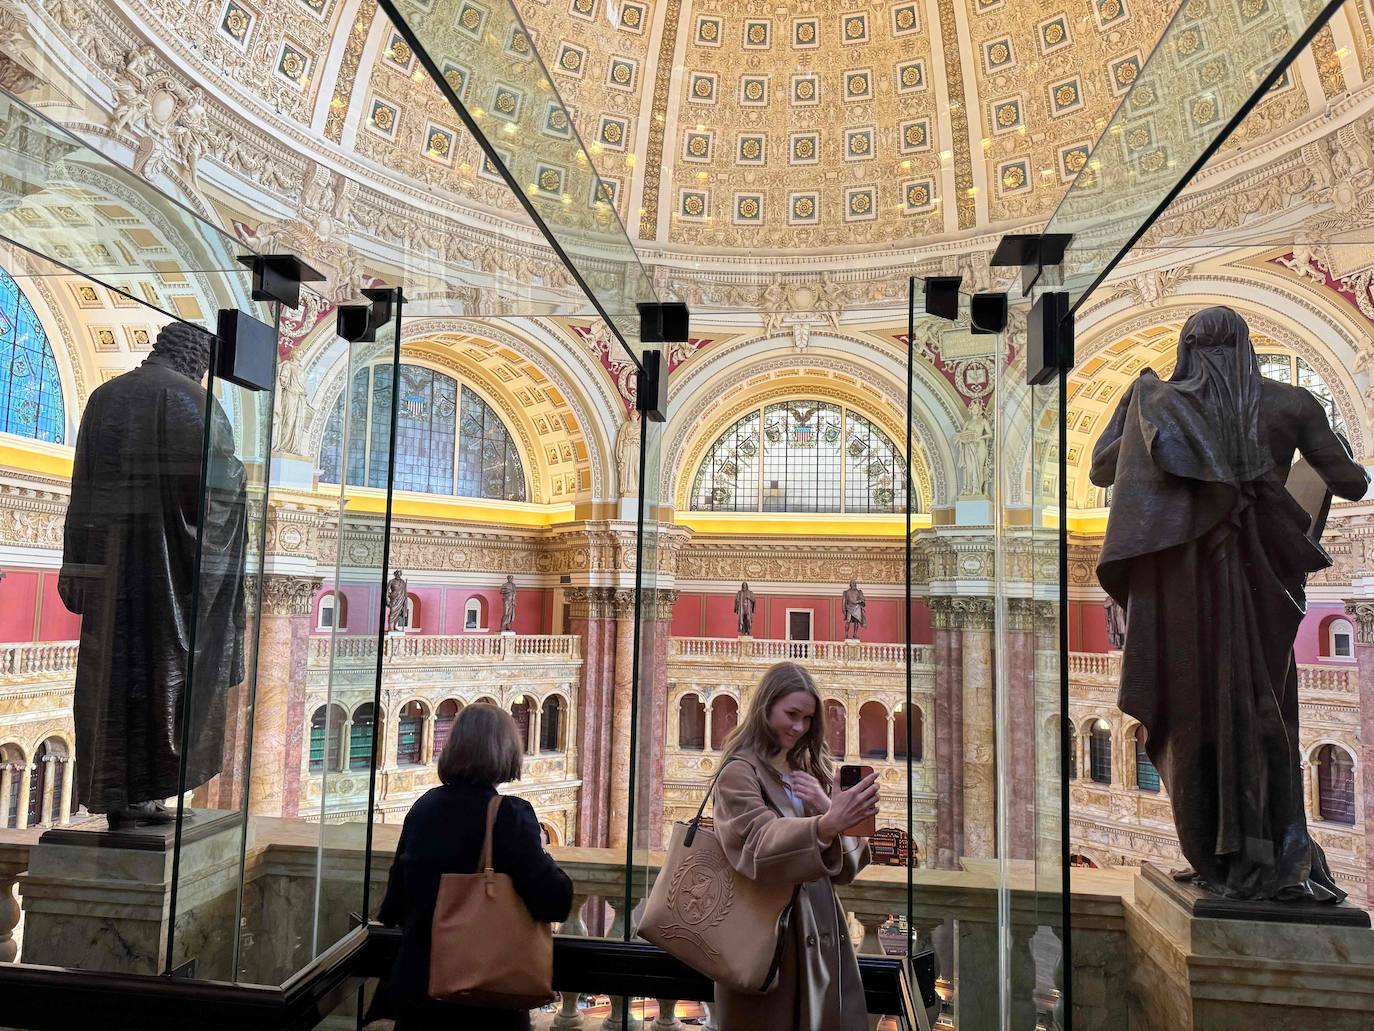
pixel 517 452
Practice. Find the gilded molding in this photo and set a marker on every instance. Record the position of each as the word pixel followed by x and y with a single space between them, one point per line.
pixel 663 80
pixel 963 159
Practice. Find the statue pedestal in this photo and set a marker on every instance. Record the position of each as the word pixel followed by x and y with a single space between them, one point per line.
pixel 1197 962
pixel 101 900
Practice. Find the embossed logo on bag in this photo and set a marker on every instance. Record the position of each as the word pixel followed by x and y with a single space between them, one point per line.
pixel 701 895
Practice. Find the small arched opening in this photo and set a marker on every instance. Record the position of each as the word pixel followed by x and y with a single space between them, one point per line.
pixel 691 723
pixel 724 716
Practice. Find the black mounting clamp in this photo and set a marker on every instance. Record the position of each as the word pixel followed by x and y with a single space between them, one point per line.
pixel 1049 327
pixel 987 311
pixel 278 277
pixel 358 323
pixel 667 322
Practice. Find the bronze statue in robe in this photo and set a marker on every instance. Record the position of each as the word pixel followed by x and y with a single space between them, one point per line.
pixel 397 604
pixel 508 604
pixel 745 603
pixel 1209 555
pixel 153 557
pixel 855 611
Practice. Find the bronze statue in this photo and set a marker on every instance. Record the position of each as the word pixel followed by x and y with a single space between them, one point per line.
pixel 397 604
pixel 508 605
pixel 745 603
pixel 1209 554
pixel 149 724
pixel 1115 617
pixel 855 611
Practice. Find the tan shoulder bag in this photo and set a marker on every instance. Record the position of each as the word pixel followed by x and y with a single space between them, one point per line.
pixel 485 949
pixel 714 919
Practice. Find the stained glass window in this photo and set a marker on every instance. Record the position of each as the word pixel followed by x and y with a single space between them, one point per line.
pixel 800 456
pixel 1287 368
pixel 448 440
pixel 30 390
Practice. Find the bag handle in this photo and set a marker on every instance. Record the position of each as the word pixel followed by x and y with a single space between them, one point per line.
pixel 695 821
pixel 489 874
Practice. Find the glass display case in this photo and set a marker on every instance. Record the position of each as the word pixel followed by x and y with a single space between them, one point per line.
pixel 452 490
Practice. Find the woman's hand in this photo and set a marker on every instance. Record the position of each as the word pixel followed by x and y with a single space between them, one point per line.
pixel 809 790
pixel 849 807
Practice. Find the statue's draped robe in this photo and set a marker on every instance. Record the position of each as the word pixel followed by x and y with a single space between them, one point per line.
pixel 129 569
pixel 1208 553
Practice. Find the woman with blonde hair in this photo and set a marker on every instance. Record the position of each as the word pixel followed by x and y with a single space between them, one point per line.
pixel 780 815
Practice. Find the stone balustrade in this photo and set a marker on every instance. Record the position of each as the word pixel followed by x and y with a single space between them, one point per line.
pixel 762 651
pixel 359 649
pixel 1311 677
pixel 39 659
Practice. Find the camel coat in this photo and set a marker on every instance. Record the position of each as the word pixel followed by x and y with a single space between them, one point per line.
pixel 818 986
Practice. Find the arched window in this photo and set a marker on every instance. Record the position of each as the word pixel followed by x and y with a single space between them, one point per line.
pixel 412 612
pixel 484 700
pixel 899 732
pixel 30 390
pixel 836 727
pixel 551 724
pixel 38 777
pixel 444 716
pixel 333 613
pixel 873 731
pixel 724 716
pixel 691 723
pixel 325 738
pixel 1288 368
pixel 410 734
pixel 801 456
pixel 57 760
pixel 12 763
pixel 1146 776
pixel 1100 752
pixel 1079 860
pixel 1335 785
pixel 1339 640
pixel 475 614
pixel 524 719
pixel 1073 752
pixel 360 737
pixel 448 440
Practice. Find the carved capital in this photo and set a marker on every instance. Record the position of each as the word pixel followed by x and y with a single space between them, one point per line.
pixel 288 595
pixel 1362 612
pixel 1031 614
pixel 952 613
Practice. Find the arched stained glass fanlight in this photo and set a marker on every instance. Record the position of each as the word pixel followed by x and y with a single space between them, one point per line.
pixel 1288 368
pixel 800 456
pixel 30 390
pixel 448 440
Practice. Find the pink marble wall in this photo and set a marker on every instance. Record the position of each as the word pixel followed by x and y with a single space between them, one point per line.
pixel 18 603
pixel 1312 633
pixel 1087 627
pixel 1021 743
pixel 1364 654
pixel 948 748
pixel 708 614
pixel 593 731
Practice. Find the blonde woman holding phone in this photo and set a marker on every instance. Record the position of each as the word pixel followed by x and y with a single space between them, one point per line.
pixel 781 815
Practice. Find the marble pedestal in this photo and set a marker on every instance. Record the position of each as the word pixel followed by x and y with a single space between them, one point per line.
pixel 1196 972
pixel 101 900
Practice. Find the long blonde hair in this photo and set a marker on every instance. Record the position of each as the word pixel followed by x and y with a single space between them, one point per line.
pixel 754 734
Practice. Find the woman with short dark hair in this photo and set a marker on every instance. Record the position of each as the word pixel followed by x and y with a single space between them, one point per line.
pixel 443 833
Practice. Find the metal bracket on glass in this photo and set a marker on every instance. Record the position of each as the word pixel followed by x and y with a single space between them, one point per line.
pixel 987 313
pixel 651 386
pixel 1032 253
pixel 360 322
pixel 1049 337
pixel 666 322
pixel 278 277
pixel 942 296
pixel 245 350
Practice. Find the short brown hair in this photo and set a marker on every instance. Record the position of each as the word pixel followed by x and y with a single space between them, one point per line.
pixel 483 747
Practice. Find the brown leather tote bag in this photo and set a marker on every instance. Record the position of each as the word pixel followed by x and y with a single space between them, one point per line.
pixel 485 948
pixel 720 923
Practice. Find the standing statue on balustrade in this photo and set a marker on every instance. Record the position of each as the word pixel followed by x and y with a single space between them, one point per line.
pixel 745 603
pixel 855 611
pixel 508 605
pixel 1209 552
pixel 397 604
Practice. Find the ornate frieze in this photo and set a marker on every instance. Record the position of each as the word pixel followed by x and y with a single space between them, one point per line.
pixel 811 561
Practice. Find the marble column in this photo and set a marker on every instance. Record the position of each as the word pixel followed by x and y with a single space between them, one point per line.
pixel 279 716
pixel 1019 641
pixel 947 649
pixel 6 787
pixel 621 710
pixel 45 805
pixel 979 731
pixel 68 781
pixel 592 619
pixel 1362 613
pixel 25 779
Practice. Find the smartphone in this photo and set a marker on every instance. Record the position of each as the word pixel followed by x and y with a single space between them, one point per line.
pixel 849 776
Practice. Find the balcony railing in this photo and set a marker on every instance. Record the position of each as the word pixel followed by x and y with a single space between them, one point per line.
pixel 840 653
pixel 424 648
pixel 1311 677
pixel 41 659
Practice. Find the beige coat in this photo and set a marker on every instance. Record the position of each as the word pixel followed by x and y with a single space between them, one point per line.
pixel 818 986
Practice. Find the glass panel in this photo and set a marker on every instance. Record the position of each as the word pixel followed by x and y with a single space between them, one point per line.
pixel 482 59
pixel 1210 61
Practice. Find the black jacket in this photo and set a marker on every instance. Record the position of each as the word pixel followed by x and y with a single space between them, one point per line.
pixel 443 834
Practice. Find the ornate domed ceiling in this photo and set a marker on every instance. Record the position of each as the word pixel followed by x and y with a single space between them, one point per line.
pixel 728 134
